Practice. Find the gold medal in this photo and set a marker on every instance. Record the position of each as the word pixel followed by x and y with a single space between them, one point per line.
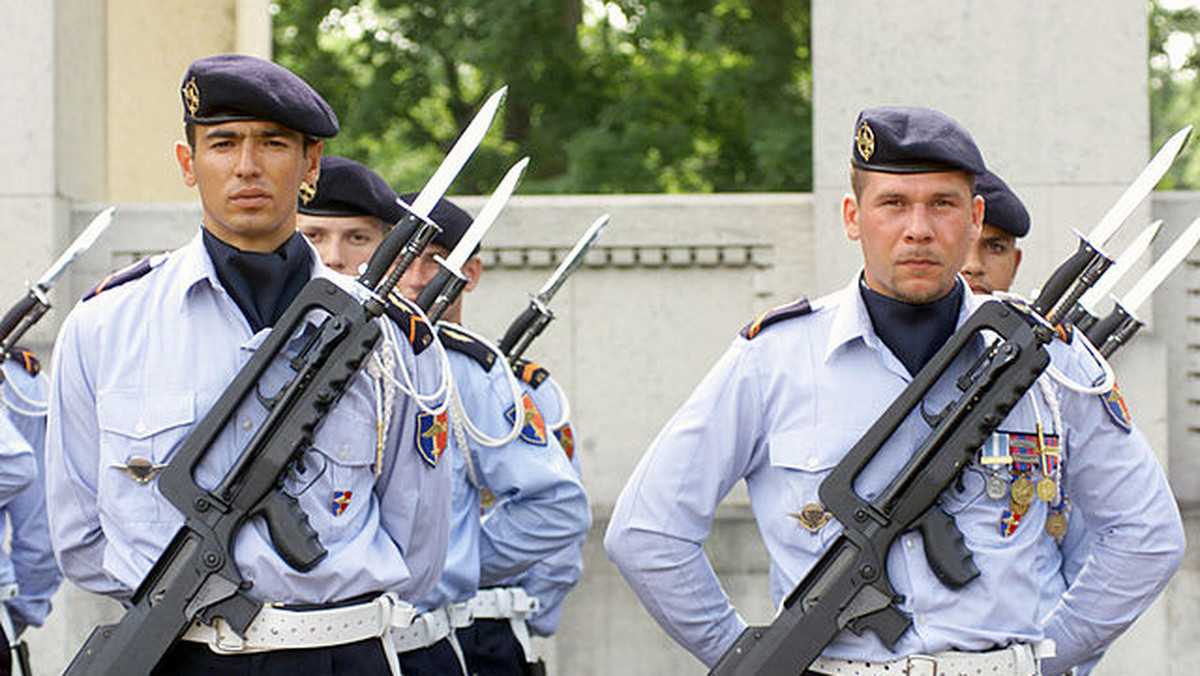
pixel 1023 491
pixel 1047 490
pixel 486 498
pixel 1056 524
pixel 995 487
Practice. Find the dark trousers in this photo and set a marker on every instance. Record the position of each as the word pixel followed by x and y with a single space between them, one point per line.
pixel 490 649
pixel 436 660
pixel 5 656
pixel 195 659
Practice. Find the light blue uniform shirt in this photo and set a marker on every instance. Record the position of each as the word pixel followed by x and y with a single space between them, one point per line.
pixel 137 367
pixel 540 504
pixel 782 409
pixel 552 577
pixel 30 559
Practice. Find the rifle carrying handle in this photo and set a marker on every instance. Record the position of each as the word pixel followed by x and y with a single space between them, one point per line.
pixel 948 555
pixel 293 537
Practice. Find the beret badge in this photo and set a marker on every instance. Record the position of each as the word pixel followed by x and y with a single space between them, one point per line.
pixel 864 140
pixel 307 192
pixel 191 96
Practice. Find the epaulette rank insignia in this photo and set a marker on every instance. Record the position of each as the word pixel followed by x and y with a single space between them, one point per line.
pixel 468 345
pixel 797 308
pixel 26 359
pixel 1065 332
pixel 126 274
pixel 414 326
pixel 530 373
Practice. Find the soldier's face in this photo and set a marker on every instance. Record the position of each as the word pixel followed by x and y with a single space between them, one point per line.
pixel 992 261
pixel 249 175
pixel 344 242
pixel 915 231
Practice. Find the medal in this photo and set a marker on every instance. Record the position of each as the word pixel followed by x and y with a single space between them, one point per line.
pixel 486 498
pixel 995 487
pixel 1047 490
pixel 1056 524
pixel 1023 491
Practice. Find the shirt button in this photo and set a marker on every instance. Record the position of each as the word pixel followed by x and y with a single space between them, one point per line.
pixel 812 462
pixel 246 425
pixel 908 542
pixel 345 453
pixel 140 427
pixel 920 619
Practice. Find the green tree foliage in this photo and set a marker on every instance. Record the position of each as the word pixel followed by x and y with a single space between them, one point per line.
pixel 1174 87
pixel 605 96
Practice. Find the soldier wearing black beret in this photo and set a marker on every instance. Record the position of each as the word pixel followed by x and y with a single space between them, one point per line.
pixel 141 362
pixel 349 214
pixel 993 261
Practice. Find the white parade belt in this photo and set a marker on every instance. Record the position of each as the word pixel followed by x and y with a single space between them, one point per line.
pixel 1020 659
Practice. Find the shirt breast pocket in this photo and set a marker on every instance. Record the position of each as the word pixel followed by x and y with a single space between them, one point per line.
pixel 801 460
pixel 138 434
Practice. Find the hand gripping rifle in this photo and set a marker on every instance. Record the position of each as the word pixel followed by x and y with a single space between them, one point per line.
pixel 530 323
pixel 196 577
pixel 27 311
pixel 848 587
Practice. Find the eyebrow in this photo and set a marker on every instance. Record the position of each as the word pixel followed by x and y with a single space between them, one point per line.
pixel 226 133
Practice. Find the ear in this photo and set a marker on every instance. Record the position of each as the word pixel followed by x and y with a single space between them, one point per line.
pixel 976 217
pixel 473 269
pixel 1017 261
pixel 183 155
pixel 850 216
pixel 313 155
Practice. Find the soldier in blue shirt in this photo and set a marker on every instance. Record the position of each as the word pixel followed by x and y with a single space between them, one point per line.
pixel 506 461
pixel 140 361
pixel 993 261
pixel 29 575
pixel 802 384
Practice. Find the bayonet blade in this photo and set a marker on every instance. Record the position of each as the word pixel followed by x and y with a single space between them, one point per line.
pixel 1162 267
pixel 491 210
pixel 1124 262
pixel 463 148
pixel 1141 186
pixel 573 259
pixel 82 243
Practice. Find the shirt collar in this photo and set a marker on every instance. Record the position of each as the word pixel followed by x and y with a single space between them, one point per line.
pixel 851 320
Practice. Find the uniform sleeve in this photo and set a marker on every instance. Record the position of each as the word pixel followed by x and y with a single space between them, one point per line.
pixel 72 452
pixel 414 496
pixel 1135 541
pixel 665 511
pixel 32 556
pixel 541 505
pixel 18 468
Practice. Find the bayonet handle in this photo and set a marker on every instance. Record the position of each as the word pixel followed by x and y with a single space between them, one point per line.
pixel 440 293
pixel 19 319
pixel 1102 329
pixel 524 329
pixel 1064 276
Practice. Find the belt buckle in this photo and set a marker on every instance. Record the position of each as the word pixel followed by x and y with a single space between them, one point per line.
pixel 225 639
pixel 920 665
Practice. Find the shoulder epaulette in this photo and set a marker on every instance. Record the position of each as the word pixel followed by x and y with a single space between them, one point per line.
pixel 529 372
pixel 468 345
pixel 26 359
pixel 1065 332
pixel 797 308
pixel 412 323
pixel 122 276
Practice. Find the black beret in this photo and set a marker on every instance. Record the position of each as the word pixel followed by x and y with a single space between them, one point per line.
pixel 453 221
pixel 348 188
pixel 911 140
pixel 232 87
pixel 1001 206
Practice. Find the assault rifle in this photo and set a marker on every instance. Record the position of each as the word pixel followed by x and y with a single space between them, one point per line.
pixel 196 577
pixel 36 302
pixel 530 323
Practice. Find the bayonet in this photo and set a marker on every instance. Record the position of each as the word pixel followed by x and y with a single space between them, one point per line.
pixel 534 319
pixel 27 311
pixel 1084 268
pixel 414 231
pixel 440 292
pixel 1119 325
pixel 1083 315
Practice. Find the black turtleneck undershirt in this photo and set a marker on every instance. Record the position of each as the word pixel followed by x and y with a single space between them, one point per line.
pixel 913 333
pixel 262 284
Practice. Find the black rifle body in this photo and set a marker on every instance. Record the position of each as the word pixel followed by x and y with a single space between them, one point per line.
pixel 196 576
pixel 848 587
